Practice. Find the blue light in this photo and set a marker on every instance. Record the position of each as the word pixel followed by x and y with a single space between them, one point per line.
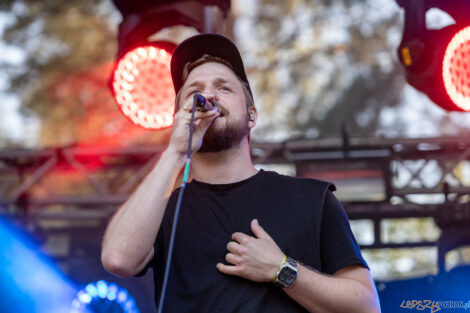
pixel 91 290
pixel 103 290
pixel 84 297
pixel 129 304
pixel 122 296
pixel 30 282
pixel 112 290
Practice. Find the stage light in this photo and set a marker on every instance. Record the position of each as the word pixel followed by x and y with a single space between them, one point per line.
pixel 456 69
pixel 141 80
pixel 29 280
pixel 142 87
pixel 437 61
pixel 102 296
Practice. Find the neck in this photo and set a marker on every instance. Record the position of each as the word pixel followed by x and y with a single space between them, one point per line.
pixel 224 167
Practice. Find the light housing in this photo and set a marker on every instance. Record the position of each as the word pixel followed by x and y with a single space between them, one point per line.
pixel 142 85
pixel 437 62
pixel 456 69
pixel 141 80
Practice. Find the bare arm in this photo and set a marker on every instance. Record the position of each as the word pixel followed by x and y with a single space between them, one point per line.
pixel 130 235
pixel 258 258
pixel 349 290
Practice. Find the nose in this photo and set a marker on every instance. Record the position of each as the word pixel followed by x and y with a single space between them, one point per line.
pixel 209 95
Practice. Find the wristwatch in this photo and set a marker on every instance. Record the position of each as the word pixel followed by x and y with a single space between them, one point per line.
pixel 287 273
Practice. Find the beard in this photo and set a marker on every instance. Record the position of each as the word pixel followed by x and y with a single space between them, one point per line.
pixel 220 139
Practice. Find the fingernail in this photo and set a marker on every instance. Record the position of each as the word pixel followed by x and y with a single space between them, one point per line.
pixel 256 221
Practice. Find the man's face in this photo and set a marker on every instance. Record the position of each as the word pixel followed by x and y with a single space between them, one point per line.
pixel 217 82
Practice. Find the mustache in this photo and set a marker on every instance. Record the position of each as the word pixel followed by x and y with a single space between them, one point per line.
pixel 221 108
pixel 223 111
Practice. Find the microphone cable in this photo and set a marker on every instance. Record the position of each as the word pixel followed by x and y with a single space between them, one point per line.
pixel 178 207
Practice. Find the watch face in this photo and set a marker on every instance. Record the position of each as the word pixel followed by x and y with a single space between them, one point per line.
pixel 287 275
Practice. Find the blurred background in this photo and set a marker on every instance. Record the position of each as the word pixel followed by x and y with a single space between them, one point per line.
pixel 334 104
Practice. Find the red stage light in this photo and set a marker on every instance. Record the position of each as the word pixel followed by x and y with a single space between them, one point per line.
pixel 437 61
pixel 456 69
pixel 143 88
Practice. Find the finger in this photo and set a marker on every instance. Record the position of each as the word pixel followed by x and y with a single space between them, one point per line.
pixel 202 115
pixel 232 258
pixel 235 247
pixel 207 117
pixel 258 230
pixel 228 269
pixel 206 121
pixel 187 111
pixel 187 107
pixel 241 238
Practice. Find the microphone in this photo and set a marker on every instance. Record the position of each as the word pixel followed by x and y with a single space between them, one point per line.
pixel 205 105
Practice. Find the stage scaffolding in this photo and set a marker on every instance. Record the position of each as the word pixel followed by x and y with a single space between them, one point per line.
pixel 56 189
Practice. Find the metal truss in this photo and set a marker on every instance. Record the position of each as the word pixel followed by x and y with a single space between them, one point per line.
pixel 89 183
pixel 426 177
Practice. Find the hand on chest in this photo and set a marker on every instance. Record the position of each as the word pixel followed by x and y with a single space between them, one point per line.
pixel 207 224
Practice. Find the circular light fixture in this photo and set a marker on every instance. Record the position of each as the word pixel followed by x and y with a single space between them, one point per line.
pixel 103 297
pixel 456 69
pixel 143 87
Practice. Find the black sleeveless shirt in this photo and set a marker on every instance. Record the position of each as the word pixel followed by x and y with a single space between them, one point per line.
pixel 302 216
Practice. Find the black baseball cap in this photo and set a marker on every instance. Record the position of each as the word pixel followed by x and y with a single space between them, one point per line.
pixel 196 46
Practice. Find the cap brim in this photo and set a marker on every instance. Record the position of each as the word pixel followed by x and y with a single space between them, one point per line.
pixel 195 47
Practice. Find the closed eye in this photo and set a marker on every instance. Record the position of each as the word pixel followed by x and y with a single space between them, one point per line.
pixel 192 92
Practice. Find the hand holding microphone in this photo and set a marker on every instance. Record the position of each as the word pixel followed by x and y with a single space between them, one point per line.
pixel 202 104
pixel 206 112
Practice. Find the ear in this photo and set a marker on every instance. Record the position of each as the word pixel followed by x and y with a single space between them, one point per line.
pixel 252 116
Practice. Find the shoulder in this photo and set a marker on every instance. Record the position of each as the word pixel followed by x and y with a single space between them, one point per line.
pixel 275 178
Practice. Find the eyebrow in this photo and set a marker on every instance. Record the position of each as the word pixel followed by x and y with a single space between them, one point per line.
pixel 217 80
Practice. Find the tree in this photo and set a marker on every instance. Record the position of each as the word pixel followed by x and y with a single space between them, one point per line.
pixel 70 48
pixel 325 62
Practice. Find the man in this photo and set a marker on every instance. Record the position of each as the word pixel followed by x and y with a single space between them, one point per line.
pixel 247 240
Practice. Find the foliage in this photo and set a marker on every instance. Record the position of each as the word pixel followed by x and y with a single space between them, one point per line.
pixel 69 48
pixel 323 64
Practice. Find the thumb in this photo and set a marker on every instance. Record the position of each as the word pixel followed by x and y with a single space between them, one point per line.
pixel 258 230
pixel 206 122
